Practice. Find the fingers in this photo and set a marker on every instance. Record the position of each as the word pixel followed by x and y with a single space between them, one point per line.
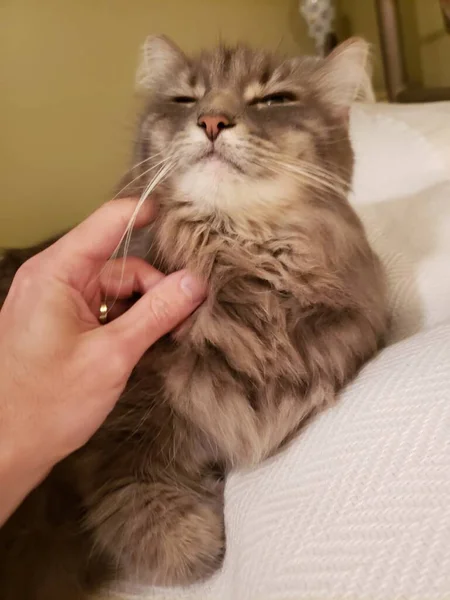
pixel 76 255
pixel 165 306
pixel 120 280
pixel 124 277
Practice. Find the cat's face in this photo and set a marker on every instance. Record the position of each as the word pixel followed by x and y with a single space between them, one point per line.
pixel 245 130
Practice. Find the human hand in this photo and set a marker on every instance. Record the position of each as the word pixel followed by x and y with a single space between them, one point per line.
pixel 61 372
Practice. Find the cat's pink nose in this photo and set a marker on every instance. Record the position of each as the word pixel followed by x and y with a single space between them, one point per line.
pixel 213 124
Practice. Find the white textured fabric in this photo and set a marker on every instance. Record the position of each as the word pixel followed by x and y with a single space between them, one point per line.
pixel 402 193
pixel 411 234
pixel 358 507
pixel 400 150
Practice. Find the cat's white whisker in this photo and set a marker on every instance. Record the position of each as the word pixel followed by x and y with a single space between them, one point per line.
pixel 309 174
pixel 303 172
pixel 154 166
pixel 159 177
pixel 125 240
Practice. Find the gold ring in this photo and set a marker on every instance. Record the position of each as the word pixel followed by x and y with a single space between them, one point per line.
pixel 103 313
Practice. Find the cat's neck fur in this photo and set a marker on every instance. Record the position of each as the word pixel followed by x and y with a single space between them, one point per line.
pixel 258 284
pixel 245 244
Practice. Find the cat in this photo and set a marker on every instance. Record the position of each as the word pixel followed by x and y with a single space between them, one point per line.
pixel 256 164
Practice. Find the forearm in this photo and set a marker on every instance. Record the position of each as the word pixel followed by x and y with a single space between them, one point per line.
pixel 15 485
pixel 22 466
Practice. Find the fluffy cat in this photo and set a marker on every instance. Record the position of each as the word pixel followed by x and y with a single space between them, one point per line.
pixel 257 166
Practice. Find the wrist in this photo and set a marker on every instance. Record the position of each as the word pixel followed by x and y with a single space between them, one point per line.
pixel 22 464
pixel 17 479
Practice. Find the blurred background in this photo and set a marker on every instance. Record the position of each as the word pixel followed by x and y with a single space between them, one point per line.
pixel 68 108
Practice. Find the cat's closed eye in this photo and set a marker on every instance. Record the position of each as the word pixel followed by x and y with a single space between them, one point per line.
pixel 272 99
pixel 184 100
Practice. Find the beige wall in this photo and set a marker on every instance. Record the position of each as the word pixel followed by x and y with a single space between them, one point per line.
pixel 67 107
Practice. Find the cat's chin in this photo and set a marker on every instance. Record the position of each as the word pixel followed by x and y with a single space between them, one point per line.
pixel 215 185
pixel 218 165
pixel 210 183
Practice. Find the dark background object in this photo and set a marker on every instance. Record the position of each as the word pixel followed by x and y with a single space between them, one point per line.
pixel 445 8
pixel 331 42
pixel 399 89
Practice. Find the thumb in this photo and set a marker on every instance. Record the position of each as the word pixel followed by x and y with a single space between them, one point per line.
pixel 160 310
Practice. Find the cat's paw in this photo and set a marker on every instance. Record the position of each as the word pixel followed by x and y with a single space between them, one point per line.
pixel 161 534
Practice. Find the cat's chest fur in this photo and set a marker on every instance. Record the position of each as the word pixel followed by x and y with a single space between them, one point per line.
pixel 254 298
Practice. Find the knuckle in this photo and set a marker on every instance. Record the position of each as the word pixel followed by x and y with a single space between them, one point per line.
pixel 117 210
pixel 121 206
pixel 25 276
pixel 160 309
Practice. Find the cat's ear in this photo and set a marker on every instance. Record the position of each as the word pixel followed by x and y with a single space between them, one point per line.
pixel 345 76
pixel 160 57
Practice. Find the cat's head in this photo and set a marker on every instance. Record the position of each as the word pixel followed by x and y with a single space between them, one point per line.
pixel 244 132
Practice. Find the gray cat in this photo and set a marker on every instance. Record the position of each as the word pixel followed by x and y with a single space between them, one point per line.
pixel 255 163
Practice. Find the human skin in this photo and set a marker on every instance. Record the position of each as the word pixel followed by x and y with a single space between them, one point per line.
pixel 61 371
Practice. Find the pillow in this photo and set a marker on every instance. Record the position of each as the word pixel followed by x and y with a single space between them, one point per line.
pixel 402 193
pixel 411 234
pixel 400 149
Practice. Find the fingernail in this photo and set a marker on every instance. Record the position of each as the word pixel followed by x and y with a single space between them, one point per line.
pixel 193 288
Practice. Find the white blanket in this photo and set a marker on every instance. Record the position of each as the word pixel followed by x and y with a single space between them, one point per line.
pixel 358 507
